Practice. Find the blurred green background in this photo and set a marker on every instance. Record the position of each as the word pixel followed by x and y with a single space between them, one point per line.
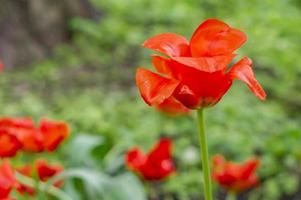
pixel 86 77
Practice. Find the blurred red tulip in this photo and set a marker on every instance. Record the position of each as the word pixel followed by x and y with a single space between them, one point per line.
pixel 53 133
pixel 9 144
pixel 194 74
pixel 44 172
pixel 7 180
pixel 24 129
pixel 235 177
pixel 156 165
pixel 47 136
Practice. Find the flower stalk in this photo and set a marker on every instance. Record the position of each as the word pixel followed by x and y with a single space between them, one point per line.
pixel 204 155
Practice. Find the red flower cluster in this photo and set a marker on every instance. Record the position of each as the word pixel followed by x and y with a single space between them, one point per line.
pixel 21 133
pixel 235 177
pixel 7 180
pixel 44 172
pixel 156 165
pixel 193 74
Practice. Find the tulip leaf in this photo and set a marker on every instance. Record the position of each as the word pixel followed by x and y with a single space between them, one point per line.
pixel 125 186
pixel 81 147
pixel 95 183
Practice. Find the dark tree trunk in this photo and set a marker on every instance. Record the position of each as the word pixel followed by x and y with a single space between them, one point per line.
pixel 30 29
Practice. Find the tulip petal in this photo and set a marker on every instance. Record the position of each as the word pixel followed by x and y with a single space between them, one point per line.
pixel 214 37
pixel 170 105
pixel 242 70
pixel 235 176
pixel 24 130
pixel 173 107
pixel 53 133
pixel 218 161
pixel 198 88
pixel 249 168
pixel 7 179
pixel 206 64
pixel 154 88
pixel 168 43
pixel 46 171
pixel 160 157
pixel 135 159
pixel 162 150
pixel 161 65
pixel 9 144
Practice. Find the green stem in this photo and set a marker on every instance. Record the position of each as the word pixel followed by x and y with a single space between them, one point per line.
pixel 43 187
pixel 231 196
pixel 204 156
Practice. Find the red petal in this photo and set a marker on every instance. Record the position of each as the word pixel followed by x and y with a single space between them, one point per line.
pixel 24 130
pixel 206 64
pixel 218 160
pixel 235 176
pixel 173 107
pixel 9 144
pixel 154 88
pixel 242 70
pixel 53 132
pixel 198 88
pixel 170 105
pixel 161 65
pixel 159 162
pixel 135 159
pixel 168 43
pixel 7 179
pixel 214 37
pixel 46 171
pixel 161 151
pixel 249 168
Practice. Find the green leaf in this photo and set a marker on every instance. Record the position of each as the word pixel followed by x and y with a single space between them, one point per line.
pixel 93 181
pixel 125 186
pixel 81 147
pixel 97 184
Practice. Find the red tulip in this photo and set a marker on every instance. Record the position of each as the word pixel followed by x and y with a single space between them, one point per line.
pixel 47 136
pixel 156 165
pixel 53 133
pixel 7 180
pixel 194 74
pixel 9 144
pixel 24 129
pixel 235 177
pixel 43 170
pixel 46 171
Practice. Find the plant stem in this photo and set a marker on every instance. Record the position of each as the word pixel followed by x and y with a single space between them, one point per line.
pixel 231 196
pixel 59 194
pixel 204 156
